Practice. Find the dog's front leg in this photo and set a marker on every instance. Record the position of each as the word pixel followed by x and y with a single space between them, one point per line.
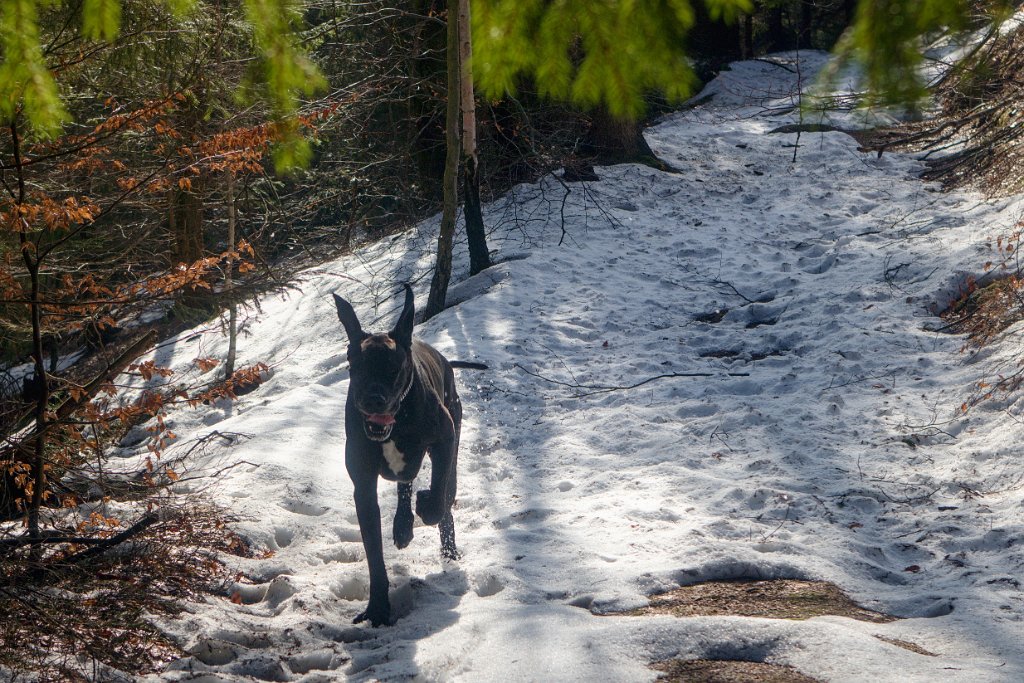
pixel 378 611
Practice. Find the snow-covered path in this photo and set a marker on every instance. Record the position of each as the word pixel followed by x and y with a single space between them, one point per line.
pixel 825 440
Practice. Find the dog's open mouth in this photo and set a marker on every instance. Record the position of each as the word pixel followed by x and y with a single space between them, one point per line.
pixel 378 426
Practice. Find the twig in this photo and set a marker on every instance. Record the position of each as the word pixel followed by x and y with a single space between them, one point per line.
pixel 763 300
pixel 214 475
pixel 604 389
pixel 765 539
pixel 866 378
pixel 716 435
pixel 561 210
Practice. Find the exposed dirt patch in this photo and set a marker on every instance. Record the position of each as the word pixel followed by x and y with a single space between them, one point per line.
pixel 724 671
pixel 774 599
pixel 906 645
pixel 721 353
pixel 711 317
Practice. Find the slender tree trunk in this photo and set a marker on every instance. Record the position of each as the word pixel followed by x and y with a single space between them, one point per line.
pixel 747 49
pixel 423 131
pixel 187 215
pixel 443 268
pixel 37 458
pixel 777 37
pixel 479 255
pixel 229 362
pixel 806 30
pixel 191 303
pixel 849 10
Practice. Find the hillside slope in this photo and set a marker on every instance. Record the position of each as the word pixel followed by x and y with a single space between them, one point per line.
pixel 824 440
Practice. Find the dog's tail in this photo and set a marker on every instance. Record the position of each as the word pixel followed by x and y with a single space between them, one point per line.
pixel 468 365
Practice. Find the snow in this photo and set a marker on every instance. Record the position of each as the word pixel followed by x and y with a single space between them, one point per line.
pixel 825 439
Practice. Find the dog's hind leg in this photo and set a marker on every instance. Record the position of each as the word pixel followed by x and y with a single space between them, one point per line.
pixel 403 516
pixel 434 503
pixel 443 491
pixel 447 528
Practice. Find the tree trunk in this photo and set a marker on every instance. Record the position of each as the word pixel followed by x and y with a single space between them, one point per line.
pixel 776 39
pixel 192 303
pixel 479 254
pixel 806 31
pixel 229 362
pixel 747 49
pixel 37 458
pixel 424 132
pixel 187 226
pixel 850 10
pixel 443 268
pixel 613 140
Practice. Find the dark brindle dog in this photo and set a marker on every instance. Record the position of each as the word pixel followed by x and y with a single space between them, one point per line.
pixel 401 406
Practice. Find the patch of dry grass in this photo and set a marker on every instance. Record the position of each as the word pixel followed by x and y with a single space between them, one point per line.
pixel 772 599
pixel 769 599
pixel 727 671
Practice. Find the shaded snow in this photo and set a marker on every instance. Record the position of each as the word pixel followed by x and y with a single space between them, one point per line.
pixel 825 443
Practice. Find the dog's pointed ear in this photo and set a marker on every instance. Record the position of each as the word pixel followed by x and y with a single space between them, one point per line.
pixel 403 328
pixel 347 316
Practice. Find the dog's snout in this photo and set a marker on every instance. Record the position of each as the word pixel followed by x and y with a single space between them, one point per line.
pixel 375 402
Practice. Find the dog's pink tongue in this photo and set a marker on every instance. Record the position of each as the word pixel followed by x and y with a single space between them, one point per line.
pixel 382 419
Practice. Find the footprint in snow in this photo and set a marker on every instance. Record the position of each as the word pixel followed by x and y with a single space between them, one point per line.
pixel 246 639
pixel 300 506
pixel 353 588
pixel 345 554
pixel 697 410
pixel 810 250
pixel 280 590
pixel 523 517
pixel 273 593
pixel 214 652
pixel 487 584
pixel 815 266
pixel 348 534
pixel 283 537
pixel 318 660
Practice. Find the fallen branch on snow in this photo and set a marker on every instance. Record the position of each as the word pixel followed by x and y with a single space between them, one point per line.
pixel 593 389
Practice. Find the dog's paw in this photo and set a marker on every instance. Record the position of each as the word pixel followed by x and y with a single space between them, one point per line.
pixel 376 614
pixel 429 507
pixel 402 529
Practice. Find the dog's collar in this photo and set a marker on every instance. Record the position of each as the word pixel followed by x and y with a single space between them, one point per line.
pixel 412 380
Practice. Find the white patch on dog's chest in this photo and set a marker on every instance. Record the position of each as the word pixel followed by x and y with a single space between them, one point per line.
pixel 394 457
